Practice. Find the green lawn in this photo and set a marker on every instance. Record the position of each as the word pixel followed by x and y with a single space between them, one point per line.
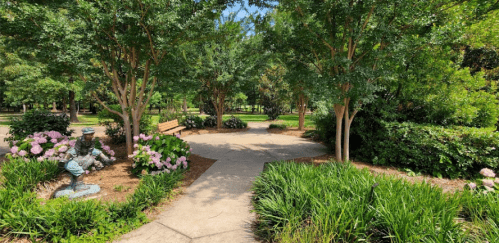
pixel 92 120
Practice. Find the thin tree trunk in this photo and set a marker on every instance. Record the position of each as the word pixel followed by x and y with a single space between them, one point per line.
pixel 346 138
pixel 185 103
pixel 24 108
pixel 64 105
pixel 128 132
pixel 302 108
pixel 339 111
pixel 54 107
pixel 73 118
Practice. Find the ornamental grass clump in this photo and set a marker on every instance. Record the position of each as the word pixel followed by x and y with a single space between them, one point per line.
pixel 159 153
pixel 335 202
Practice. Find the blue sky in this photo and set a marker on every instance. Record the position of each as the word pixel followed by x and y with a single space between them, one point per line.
pixel 244 13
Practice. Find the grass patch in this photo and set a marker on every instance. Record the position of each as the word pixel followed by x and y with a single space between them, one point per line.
pixel 277 126
pixel 336 202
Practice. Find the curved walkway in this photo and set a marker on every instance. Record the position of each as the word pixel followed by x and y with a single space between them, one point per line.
pixel 216 207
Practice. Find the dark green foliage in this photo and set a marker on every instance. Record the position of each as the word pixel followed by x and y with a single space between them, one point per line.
pixel 116 129
pixel 235 122
pixel 56 220
pixel 480 58
pixel 210 121
pixel 449 152
pixel 209 108
pixel 336 202
pixel 271 107
pixel 168 115
pixel 193 122
pixel 38 121
pixel 325 126
pixel 278 126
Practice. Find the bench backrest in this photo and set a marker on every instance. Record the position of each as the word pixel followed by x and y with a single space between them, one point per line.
pixel 167 125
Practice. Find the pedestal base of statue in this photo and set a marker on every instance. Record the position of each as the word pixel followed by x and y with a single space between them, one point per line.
pixel 88 190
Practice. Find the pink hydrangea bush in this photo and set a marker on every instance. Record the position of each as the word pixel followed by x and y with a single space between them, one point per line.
pixel 50 145
pixel 487 184
pixel 159 154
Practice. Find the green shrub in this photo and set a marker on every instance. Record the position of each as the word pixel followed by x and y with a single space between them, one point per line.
pixel 116 129
pixel 325 123
pixel 38 121
pixel 335 202
pixel 235 122
pixel 277 126
pixel 450 152
pixel 271 107
pixel 168 115
pixel 210 121
pixel 193 122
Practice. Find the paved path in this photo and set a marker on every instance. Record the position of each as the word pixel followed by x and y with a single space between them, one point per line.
pixel 216 207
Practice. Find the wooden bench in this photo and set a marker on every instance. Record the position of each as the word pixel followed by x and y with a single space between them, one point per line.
pixel 170 127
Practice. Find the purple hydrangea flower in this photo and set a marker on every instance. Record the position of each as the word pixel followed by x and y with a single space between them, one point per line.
pixel 53 140
pixel 63 149
pixel 178 135
pixel 49 153
pixel 14 149
pixel 487 173
pixel 36 149
pixel 40 159
pixel 72 143
pixel 135 138
pixel 157 137
pixel 22 153
pixel 136 145
pixel 472 185
pixel 487 182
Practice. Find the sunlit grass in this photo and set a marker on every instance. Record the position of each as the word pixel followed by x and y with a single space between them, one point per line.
pixel 90 120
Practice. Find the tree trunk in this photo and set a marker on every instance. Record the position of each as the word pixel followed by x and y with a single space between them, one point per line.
pixel 302 108
pixel 54 107
pixel 128 132
pixel 24 108
pixel 346 138
pixel 185 103
pixel 338 111
pixel 64 105
pixel 73 118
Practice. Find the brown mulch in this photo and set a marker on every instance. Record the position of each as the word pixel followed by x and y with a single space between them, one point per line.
pixel 447 185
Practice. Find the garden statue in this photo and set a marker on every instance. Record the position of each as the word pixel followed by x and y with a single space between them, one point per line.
pixel 78 159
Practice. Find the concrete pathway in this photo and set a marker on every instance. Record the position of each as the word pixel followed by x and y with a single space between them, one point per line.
pixel 216 207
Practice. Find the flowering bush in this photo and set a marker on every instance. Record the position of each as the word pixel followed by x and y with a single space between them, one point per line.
pixel 487 183
pixel 50 145
pixel 193 122
pixel 235 122
pixel 159 153
pixel 210 121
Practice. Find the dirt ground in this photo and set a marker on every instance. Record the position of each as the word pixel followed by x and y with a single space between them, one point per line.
pixel 447 185
pixel 117 181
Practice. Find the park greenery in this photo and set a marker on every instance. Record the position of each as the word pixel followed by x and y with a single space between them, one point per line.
pixel 405 83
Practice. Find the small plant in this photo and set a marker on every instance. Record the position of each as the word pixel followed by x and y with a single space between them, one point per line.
pixel 210 121
pixel 235 122
pixel 121 188
pixel 159 153
pixel 193 122
pixel 38 121
pixel 488 183
pixel 277 126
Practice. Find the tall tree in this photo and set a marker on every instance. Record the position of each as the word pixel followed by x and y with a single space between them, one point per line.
pixel 344 41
